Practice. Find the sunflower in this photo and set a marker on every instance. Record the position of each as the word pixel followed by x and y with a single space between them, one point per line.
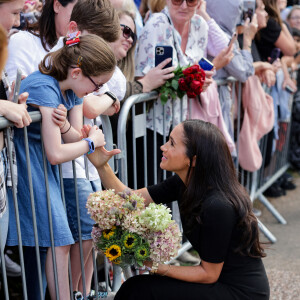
pixel 113 252
pixel 108 233
pixel 142 252
pixel 130 240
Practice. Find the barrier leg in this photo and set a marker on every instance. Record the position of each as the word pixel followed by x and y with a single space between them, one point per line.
pixel 266 232
pixel 272 209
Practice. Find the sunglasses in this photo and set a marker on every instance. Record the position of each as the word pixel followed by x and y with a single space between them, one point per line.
pixel 128 33
pixel 97 86
pixel 189 3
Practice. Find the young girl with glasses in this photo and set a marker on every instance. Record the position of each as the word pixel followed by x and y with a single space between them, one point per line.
pixel 64 77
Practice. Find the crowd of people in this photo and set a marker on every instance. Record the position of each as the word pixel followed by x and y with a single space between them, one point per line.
pixel 83 58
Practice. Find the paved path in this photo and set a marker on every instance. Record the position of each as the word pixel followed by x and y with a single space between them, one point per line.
pixel 283 258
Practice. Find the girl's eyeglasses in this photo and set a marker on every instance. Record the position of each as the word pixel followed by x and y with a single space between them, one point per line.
pixel 97 86
pixel 190 3
pixel 127 33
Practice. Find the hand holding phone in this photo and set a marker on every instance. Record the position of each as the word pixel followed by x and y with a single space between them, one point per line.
pixel 274 55
pixel 205 64
pixel 162 53
pixel 233 39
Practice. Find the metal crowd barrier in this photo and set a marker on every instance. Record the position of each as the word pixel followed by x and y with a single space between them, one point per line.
pixel 36 117
pixel 135 109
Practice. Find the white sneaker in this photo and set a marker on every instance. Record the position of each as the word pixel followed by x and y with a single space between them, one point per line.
pixel 12 268
pixel 186 257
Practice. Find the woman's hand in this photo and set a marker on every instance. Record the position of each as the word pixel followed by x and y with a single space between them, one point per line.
pixel 201 11
pixel 224 57
pixel 16 112
pixel 208 80
pixel 59 116
pixel 268 77
pixel 157 76
pixel 290 83
pixel 250 29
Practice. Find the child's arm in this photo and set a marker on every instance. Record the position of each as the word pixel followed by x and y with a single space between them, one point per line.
pixel 94 106
pixel 56 151
pixel 70 128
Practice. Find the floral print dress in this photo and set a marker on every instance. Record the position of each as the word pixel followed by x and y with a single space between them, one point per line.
pixel 159 30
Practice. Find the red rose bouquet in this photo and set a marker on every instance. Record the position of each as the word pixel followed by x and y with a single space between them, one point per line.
pixel 187 80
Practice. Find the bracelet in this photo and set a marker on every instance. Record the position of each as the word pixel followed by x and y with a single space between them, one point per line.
pixel 154 268
pixel 67 130
pixel 166 272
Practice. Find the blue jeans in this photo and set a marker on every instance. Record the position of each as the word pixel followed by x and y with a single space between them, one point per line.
pixel 85 187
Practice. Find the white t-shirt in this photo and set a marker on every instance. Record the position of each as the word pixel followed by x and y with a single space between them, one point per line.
pixel 25 51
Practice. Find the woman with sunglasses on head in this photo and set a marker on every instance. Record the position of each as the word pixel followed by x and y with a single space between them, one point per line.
pixel 217 218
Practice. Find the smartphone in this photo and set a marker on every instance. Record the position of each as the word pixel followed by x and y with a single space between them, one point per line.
pixel 289 89
pixel 275 53
pixel 162 53
pixel 205 64
pixel 247 12
pixel 233 39
pixel 17 86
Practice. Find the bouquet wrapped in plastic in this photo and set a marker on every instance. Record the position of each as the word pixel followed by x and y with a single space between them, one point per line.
pixel 128 233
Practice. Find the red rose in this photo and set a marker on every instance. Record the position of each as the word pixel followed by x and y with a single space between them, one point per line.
pixel 196 87
pixel 191 94
pixel 182 85
pixel 189 78
pixel 191 70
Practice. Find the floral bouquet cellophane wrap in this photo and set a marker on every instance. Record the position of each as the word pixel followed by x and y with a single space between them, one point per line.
pixel 128 233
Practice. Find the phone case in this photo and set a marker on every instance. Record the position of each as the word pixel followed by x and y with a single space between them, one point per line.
pixel 162 53
pixel 205 64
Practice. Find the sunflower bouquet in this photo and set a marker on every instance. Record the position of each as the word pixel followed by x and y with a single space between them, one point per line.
pixel 128 233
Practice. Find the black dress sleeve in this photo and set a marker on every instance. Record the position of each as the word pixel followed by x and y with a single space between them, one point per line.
pixel 218 223
pixel 167 191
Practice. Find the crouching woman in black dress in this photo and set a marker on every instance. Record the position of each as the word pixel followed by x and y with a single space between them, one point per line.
pixel 216 215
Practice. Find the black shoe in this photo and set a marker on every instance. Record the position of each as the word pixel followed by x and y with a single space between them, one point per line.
pixel 286 182
pixel 274 191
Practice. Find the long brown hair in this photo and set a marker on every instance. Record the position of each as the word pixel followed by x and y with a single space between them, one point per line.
pixel 214 169
pixel 92 54
pixel 272 10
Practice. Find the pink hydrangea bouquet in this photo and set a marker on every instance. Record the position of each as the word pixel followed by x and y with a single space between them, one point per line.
pixel 128 233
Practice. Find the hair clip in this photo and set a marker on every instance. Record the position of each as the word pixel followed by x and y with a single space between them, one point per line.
pixel 73 38
pixel 79 61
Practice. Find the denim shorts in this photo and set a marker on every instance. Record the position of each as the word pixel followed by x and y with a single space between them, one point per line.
pixel 84 187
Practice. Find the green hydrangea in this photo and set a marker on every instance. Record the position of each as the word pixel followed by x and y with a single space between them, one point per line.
pixel 156 217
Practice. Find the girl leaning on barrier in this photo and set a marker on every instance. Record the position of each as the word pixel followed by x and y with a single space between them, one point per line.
pixel 217 218
pixel 83 65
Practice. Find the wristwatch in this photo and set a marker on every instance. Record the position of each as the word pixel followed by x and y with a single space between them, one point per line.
pixel 112 96
pixel 91 145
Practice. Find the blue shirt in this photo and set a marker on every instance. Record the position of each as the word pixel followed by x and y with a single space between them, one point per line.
pixel 44 90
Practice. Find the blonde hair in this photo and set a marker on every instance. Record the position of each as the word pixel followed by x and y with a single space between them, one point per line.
pixel 92 54
pixel 126 64
pixel 3 48
pixel 129 6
